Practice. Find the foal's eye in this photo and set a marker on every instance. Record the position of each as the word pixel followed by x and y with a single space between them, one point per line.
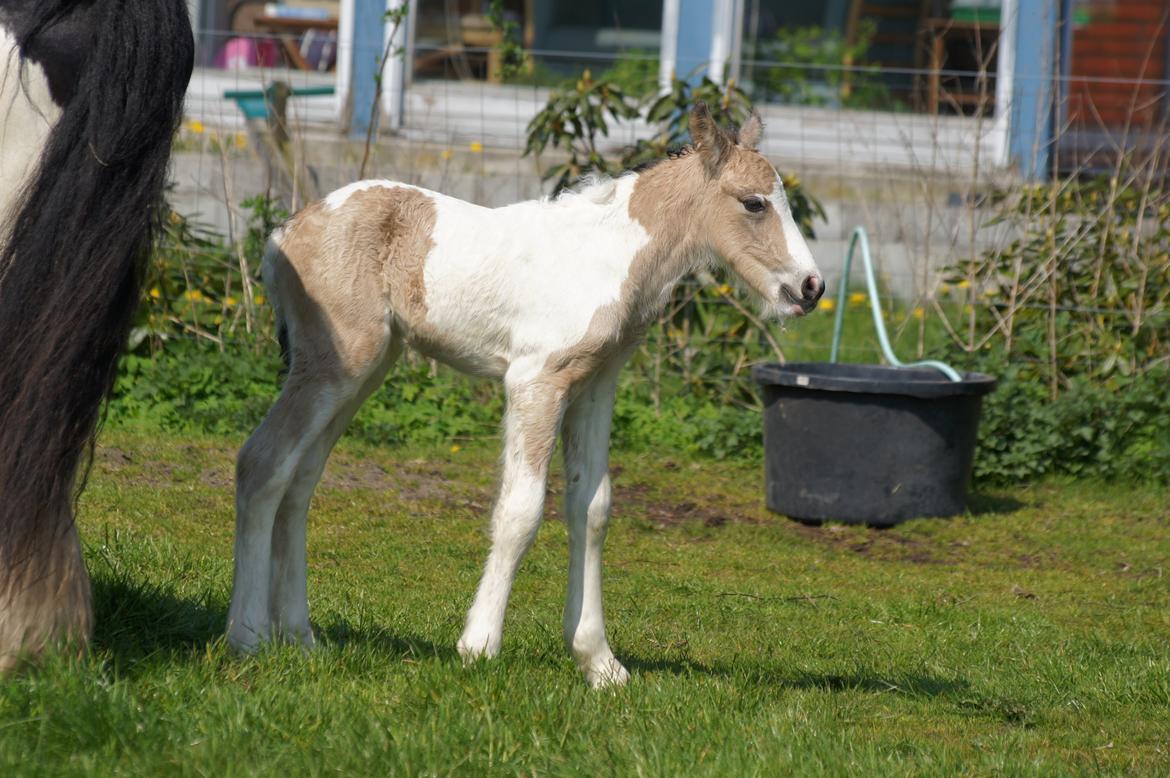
pixel 755 204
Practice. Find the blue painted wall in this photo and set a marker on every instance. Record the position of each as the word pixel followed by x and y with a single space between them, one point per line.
pixel 694 38
pixel 1033 89
pixel 368 43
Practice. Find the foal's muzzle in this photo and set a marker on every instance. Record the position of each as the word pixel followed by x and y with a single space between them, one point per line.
pixel 811 289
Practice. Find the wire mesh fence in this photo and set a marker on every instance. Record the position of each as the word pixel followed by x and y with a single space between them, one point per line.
pixel 969 254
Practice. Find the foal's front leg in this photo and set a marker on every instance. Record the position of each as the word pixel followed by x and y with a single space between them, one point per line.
pixel 530 429
pixel 588 496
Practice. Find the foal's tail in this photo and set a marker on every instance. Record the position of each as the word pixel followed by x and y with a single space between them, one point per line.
pixel 71 272
pixel 268 270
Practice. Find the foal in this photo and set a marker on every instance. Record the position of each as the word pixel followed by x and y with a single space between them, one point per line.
pixel 549 296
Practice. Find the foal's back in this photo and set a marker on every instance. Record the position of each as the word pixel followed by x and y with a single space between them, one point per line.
pixel 476 287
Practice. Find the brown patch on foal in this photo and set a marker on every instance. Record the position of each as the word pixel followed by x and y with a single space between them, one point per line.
pixel 345 263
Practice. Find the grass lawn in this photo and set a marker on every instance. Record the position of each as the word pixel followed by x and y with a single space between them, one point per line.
pixel 1029 637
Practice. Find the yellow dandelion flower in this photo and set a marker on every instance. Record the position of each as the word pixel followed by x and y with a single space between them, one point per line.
pixel 446 154
pixel 155 293
pixel 944 288
pixel 476 147
pixel 964 284
pixel 241 140
pixel 857 298
pixel 725 289
pixel 230 300
pixel 258 299
pixel 828 304
pixel 219 319
pixel 196 127
pixel 456 448
pixel 919 313
pixel 194 295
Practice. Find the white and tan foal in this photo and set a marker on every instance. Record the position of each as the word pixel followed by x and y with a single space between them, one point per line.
pixel 550 296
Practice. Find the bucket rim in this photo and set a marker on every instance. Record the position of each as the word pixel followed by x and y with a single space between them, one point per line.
pixel 854 378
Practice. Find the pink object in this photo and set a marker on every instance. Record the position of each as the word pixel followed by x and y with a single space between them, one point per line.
pixel 240 53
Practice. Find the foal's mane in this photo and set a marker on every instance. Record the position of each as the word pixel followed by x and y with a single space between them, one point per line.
pixel 600 189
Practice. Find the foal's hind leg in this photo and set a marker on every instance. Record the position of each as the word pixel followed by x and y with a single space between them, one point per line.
pixel 288 593
pixel 264 471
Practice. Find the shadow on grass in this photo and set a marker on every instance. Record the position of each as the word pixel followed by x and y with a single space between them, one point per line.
pixel 141 625
pixel 912 685
pixel 394 645
pixel 137 622
pixel 987 504
pixel 958 692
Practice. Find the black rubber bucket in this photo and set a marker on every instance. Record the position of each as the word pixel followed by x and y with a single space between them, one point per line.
pixel 868 444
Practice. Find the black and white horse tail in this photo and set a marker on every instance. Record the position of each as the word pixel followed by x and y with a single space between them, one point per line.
pixel 70 275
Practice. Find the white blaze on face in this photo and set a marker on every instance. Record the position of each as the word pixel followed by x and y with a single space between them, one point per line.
pixel 27 115
pixel 803 264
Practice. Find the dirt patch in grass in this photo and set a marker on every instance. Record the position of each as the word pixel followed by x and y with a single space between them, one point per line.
pixel 642 501
pixel 883 544
pixel 112 458
pixel 133 467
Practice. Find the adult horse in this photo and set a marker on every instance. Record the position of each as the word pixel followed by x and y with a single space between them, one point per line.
pixel 91 94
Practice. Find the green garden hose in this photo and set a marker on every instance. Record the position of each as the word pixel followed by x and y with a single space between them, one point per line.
pixel 859 236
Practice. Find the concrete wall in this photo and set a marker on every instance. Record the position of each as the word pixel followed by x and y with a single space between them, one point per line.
pixel 918 222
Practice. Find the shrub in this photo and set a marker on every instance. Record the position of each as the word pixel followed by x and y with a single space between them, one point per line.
pixel 1074 316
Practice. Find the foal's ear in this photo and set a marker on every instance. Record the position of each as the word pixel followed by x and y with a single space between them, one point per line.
pixel 709 139
pixel 750 132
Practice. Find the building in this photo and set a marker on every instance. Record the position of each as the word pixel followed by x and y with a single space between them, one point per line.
pixel 1030 82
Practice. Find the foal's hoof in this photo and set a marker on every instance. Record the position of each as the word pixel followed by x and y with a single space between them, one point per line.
pixel 474 648
pixel 606 674
pixel 245 640
pixel 302 637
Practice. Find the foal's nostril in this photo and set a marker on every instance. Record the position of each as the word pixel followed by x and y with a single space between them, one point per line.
pixel 812 288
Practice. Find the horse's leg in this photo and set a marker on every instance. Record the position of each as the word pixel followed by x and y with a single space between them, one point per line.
pixel 530 430
pixel 44 595
pixel 585 439
pixel 288 594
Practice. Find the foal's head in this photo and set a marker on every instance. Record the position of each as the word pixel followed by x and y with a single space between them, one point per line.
pixel 746 218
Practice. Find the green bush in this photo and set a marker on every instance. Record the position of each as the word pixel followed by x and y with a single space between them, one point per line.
pixel 1073 314
pixel 194 386
pixel 1119 432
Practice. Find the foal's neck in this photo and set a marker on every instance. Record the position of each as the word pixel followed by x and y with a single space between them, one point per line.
pixel 665 201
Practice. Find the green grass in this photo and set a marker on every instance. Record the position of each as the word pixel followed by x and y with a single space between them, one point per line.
pixel 1029 637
